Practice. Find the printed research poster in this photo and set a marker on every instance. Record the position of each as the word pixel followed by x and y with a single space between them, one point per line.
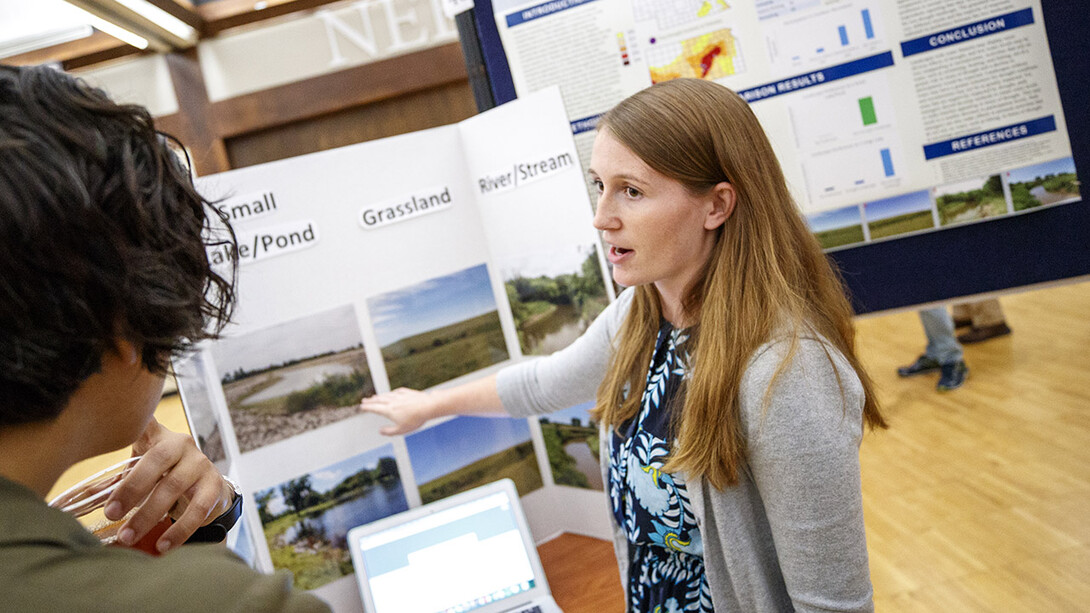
pixel 889 118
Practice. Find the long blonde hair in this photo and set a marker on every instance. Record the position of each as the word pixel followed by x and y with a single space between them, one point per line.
pixel 766 274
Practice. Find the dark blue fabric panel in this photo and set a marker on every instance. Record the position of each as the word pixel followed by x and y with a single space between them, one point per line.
pixel 495 59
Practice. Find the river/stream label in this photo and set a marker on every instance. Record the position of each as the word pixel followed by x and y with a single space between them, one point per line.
pixel 523 172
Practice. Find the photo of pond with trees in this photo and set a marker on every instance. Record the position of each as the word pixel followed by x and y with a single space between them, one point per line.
pixel 307 519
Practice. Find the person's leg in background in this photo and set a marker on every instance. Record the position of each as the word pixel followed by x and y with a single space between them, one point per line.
pixel 943 352
pixel 985 318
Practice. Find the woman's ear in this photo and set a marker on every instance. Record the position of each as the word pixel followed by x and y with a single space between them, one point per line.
pixel 723 198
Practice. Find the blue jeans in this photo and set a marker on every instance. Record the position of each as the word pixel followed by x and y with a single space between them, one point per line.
pixel 942 344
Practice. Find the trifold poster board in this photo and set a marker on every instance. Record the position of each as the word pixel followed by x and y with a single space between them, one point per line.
pixel 912 133
pixel 420 261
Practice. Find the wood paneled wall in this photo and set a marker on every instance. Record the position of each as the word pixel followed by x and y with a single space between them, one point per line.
pixel 430 108
pixel 412 92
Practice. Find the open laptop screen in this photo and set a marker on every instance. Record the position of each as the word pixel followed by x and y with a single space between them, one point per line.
pixel 453 560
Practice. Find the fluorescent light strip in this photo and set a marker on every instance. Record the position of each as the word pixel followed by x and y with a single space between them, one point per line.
pixel 161 18
pixel 116 31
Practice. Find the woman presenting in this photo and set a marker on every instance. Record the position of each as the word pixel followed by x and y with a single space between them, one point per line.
pixel 729 395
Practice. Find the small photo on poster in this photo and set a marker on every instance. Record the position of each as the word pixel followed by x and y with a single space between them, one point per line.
pixel 198 405
pixel 440 329
pixel 838 227
pixel 899 215
pixel 1043 184
pixel 554 296
pixel 465 452
pixel 571 440
pixel 970 200
pixel 292 377
pixel 306 519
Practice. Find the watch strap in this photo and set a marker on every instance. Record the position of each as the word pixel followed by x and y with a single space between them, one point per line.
pixel 216 530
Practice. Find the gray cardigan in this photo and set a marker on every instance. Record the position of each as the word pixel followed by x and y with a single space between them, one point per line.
pixel 790 535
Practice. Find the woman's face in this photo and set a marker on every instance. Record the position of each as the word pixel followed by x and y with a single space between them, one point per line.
pixel 656 231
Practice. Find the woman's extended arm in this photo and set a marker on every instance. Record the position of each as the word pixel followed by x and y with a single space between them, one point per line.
pixel 565 378
pixel 409 409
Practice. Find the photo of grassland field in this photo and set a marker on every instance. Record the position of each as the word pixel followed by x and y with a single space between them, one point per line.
pixel 1052 182
pixel 970 200
pixel 306 519
pixel 902 214
pixel 571 441
pixel 838 227
pixel 197 403
pixel 465 452
pixel 293 377
pixel 440 329
pixel 554 296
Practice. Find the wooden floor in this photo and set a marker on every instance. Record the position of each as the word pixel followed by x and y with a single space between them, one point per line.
pixel 582 574
pixel 979 499
pixel 976 499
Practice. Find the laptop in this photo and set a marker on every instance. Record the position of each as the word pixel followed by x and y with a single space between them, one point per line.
pixel 469 552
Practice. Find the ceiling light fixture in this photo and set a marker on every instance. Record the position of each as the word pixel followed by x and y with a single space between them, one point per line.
pixel 114 30
pixel 159 30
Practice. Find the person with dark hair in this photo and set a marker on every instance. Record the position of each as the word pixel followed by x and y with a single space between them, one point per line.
pixel 103 278
pixel 730 401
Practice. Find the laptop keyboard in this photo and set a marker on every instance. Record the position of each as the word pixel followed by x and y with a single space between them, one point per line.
pixel 533 609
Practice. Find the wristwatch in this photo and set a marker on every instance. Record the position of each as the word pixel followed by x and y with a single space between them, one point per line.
pixel 216 531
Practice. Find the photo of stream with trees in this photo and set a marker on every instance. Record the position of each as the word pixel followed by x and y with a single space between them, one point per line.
pixel 552 310
pixel 571 441
pixel 1052 182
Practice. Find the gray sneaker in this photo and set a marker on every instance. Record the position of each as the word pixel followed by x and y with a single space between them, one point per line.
pixel 953 376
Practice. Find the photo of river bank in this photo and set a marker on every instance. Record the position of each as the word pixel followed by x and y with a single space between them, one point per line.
pixel 970 200
pixel 571 440
pixel 306 520
pixel 1044 184
pixel 554 296
pixel 293 377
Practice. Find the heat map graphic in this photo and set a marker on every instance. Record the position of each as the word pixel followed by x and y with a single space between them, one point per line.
pixel 709 56
pixel 670 14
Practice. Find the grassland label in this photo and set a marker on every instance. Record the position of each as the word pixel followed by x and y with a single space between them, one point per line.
pixel 416 204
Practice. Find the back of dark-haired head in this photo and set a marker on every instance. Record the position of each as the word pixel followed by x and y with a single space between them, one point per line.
pixel 102 236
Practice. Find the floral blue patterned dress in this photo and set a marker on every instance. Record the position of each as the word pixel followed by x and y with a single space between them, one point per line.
pixel 666 563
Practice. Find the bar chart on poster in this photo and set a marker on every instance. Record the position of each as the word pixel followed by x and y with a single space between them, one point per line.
pixel 891 119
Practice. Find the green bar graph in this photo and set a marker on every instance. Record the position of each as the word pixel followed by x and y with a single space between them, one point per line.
pixel 866 108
